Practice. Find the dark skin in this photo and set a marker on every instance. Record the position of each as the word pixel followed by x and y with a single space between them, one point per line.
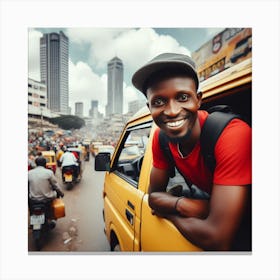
pixel 211 225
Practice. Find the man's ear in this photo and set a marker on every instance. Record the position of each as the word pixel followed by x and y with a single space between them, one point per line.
pixel 199 97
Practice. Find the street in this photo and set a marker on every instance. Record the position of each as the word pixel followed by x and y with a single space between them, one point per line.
pixel 82 228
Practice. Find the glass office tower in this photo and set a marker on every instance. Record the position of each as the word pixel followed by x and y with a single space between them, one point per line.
pixel 54 66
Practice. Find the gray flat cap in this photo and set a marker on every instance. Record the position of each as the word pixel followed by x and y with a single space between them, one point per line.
pixel 162 62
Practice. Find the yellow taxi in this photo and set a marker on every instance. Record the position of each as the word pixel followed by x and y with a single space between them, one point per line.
pixel 94 147
pixel 51 160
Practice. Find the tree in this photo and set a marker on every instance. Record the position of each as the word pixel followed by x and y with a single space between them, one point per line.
pixel 68 122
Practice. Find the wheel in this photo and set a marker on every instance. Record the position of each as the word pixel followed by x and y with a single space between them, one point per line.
pixel 116 248
pixel 69 186
pixel 114 243
pixel 37 237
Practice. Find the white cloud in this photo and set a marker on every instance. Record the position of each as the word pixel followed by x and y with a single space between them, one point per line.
pixel 34 54
pixel 85 85
pixel 211 32
pixel 133 46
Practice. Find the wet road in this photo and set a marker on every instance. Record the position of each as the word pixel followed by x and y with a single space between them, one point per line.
pixel 82 229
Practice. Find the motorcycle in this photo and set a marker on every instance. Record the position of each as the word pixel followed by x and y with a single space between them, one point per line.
pixel 68 177
pixel 43 216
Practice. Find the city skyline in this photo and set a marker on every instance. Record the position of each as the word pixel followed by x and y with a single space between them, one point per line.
pixel 90 49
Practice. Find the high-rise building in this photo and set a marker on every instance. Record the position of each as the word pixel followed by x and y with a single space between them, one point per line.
pixel 54 56
pixel 79 109
pixel 115 87
pixel 93 112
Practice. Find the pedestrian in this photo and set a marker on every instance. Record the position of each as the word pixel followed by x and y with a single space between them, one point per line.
pixel 171 86
pixel 31 161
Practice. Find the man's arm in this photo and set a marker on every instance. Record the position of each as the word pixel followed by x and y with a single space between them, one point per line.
pixel 163 203
pixel 55 186
pixel 217 231
pixel 61 158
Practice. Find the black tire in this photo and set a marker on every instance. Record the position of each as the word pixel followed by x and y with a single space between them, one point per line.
pixel 38 239
pixel 69 186
pixel 114 244
pixel 117 248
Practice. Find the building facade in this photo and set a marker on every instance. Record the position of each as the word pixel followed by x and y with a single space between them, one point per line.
pixel 114 87
pixel 37 99
pixel 79 109
pixel 93 112
pixel 54 67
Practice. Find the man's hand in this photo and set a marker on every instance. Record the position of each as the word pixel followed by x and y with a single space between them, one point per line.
pixel 59 193
pixel 158 214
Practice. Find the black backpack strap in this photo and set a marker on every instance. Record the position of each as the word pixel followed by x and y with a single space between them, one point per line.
pixel 192 190
pixel 211 131
pixel 163 142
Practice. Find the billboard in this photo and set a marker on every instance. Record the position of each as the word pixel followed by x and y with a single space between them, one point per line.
pixel 226 49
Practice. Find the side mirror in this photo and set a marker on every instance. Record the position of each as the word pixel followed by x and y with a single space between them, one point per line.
pixel 102 162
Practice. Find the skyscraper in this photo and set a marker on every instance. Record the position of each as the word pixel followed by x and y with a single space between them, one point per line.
pixel 54 54
pixel 115 87
pixel 93 112
pixel 79 109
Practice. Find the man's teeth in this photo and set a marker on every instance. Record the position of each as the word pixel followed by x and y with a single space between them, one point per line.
pixel 175 124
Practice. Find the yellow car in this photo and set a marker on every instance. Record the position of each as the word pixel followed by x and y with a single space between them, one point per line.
pixel 94 147
pixel 51 160
pixel 105 149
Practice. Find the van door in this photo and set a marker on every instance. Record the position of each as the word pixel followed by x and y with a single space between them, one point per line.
pixel 123 198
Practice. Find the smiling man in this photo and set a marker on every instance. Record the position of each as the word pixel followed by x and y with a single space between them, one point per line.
pixel 170 83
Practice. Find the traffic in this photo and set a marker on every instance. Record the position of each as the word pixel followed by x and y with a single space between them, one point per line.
pixel 72 220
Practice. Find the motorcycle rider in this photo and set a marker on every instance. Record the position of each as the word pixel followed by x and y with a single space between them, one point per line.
pixel 42 184
pixel 69 160
pixel 59 153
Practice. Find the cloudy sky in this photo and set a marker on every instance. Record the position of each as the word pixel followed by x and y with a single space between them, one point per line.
pixel 91 48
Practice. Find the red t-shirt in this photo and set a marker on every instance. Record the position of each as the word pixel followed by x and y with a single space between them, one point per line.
pixel 233 154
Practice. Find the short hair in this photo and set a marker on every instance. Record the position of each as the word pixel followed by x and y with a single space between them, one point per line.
pixel 40 161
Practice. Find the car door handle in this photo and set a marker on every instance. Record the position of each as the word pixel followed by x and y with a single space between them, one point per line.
pixel 129 216
pixel 130 205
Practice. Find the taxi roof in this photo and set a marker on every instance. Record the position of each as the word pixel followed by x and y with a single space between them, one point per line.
pixel 48 153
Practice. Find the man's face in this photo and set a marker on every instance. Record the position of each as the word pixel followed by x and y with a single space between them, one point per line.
pixel 173 104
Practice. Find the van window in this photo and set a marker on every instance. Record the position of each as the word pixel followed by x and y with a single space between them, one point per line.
pixel 128 161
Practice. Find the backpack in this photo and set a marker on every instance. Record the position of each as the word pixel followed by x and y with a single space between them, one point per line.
pixel 218 118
